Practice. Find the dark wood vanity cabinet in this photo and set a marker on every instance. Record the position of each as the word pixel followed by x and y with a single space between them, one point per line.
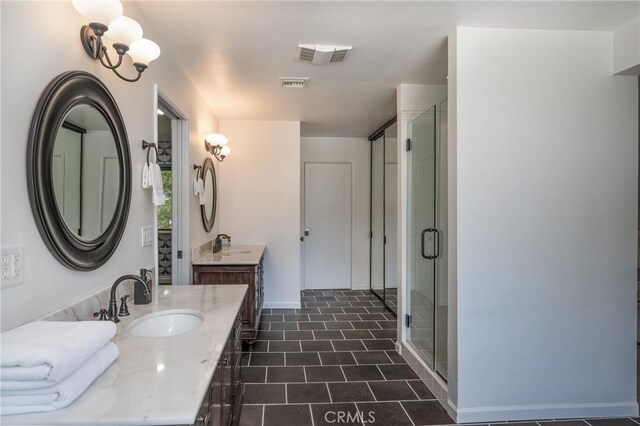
pixel 223 402
pixel 253 276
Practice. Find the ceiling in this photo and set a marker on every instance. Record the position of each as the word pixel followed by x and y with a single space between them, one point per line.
pixel 235 52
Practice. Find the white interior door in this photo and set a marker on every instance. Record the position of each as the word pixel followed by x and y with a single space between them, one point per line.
pixel 327 217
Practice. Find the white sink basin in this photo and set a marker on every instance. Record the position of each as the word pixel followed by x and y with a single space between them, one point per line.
pixel 166 323
pixel 228 252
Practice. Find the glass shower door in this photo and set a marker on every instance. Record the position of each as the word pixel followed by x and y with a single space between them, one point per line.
pixel 423 244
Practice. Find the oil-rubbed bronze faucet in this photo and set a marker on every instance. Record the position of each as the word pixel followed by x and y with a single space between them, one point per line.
pixel 217 245
pixel 113 304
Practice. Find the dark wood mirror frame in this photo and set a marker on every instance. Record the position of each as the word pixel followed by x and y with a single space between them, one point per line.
pixel 65 92
pixel 207 222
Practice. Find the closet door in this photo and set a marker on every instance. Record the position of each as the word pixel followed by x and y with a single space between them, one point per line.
pixel 377 217
pixel 391 217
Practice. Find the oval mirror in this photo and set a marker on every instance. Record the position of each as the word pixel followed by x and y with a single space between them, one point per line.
pixel 208 209
pixel 79 170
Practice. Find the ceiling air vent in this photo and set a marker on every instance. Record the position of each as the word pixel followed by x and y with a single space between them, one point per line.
pixel 321 54
pixel 294 82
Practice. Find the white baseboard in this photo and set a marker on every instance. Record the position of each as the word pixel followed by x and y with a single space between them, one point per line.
pixel 360 286
pixel 546 411
pixel 281 305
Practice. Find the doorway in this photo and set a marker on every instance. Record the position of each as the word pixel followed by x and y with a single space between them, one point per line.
pixel 327 225
pixel 171 224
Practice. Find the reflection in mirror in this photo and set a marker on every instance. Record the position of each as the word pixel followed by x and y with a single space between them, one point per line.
pixel 209 193
pixel 86 172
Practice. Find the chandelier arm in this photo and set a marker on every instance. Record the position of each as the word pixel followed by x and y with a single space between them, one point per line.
pixel 109 64
pixel 130 80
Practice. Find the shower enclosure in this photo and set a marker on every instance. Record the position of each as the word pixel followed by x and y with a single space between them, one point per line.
pixel 427 237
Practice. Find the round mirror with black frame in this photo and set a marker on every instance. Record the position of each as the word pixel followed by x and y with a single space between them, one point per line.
pixel 208 209
pixel 79 171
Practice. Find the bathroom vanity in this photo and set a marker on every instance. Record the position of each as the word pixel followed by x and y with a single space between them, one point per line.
pixel 232 266
pixel 191 378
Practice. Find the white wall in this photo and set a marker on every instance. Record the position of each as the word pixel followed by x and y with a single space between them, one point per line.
pixel 260 200
pixel 626 49
pixel 357 152
pixel 34 61
pixel 546 149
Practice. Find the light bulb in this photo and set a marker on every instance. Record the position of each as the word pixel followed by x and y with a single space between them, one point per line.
pixel 124 30
pixel 225 150
pixel 98 11
pixel 216 139
pixel 143 51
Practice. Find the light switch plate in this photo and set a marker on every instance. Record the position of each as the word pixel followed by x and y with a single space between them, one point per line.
pixel 147 236
pixel 11 266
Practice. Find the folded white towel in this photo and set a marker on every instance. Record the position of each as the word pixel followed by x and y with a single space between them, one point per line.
pixel 155 175
pixel 61 394
pixel 50 350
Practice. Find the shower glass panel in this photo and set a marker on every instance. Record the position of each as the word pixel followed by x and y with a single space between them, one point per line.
pixel 422 239
pixel 426 222
pixel 441 295
pixel 377 216
pixel 391 216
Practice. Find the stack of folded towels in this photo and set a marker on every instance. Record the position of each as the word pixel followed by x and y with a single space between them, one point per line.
pixel 46 365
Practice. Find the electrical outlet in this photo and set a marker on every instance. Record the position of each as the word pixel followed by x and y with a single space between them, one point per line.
pixel 147 236
pixel 11 266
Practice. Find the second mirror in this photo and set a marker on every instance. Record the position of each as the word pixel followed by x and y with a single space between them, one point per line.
pixel 208 209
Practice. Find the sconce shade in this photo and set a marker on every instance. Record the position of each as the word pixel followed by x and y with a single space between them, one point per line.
pixel 99 11
pixel 225 150
pixel 143 51
pixel 124 30
pixel 216 139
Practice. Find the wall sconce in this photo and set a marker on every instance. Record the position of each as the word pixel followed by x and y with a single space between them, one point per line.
pixel 105 19
pixel 216 144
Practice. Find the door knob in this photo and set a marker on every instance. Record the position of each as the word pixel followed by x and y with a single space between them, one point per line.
pixel 306 232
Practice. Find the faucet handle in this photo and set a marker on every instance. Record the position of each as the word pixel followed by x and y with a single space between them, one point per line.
pixel 102 314
pixel 144 272
pixel 124 309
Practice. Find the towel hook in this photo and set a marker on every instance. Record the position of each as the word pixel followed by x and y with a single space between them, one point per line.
pixel 148 145
pixel 198 169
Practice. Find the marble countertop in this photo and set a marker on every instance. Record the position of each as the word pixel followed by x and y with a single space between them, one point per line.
pixel 155 381
pixel 232 255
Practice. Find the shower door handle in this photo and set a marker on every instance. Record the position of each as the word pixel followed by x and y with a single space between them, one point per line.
pixel 437 244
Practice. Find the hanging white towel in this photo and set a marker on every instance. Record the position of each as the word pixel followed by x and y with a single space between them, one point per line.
pixel 156 183
pixel 41 353
pixel 61 394
pixel 146 183
pixel 198 190
pixel 198 186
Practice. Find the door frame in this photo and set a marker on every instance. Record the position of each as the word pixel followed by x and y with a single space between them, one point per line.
pixel 180 267
pixel 303 190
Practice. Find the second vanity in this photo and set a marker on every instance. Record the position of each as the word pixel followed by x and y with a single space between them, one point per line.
pixel 234 265
pixel 186 379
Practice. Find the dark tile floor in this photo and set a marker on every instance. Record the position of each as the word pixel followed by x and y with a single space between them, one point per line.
pixel 334 362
